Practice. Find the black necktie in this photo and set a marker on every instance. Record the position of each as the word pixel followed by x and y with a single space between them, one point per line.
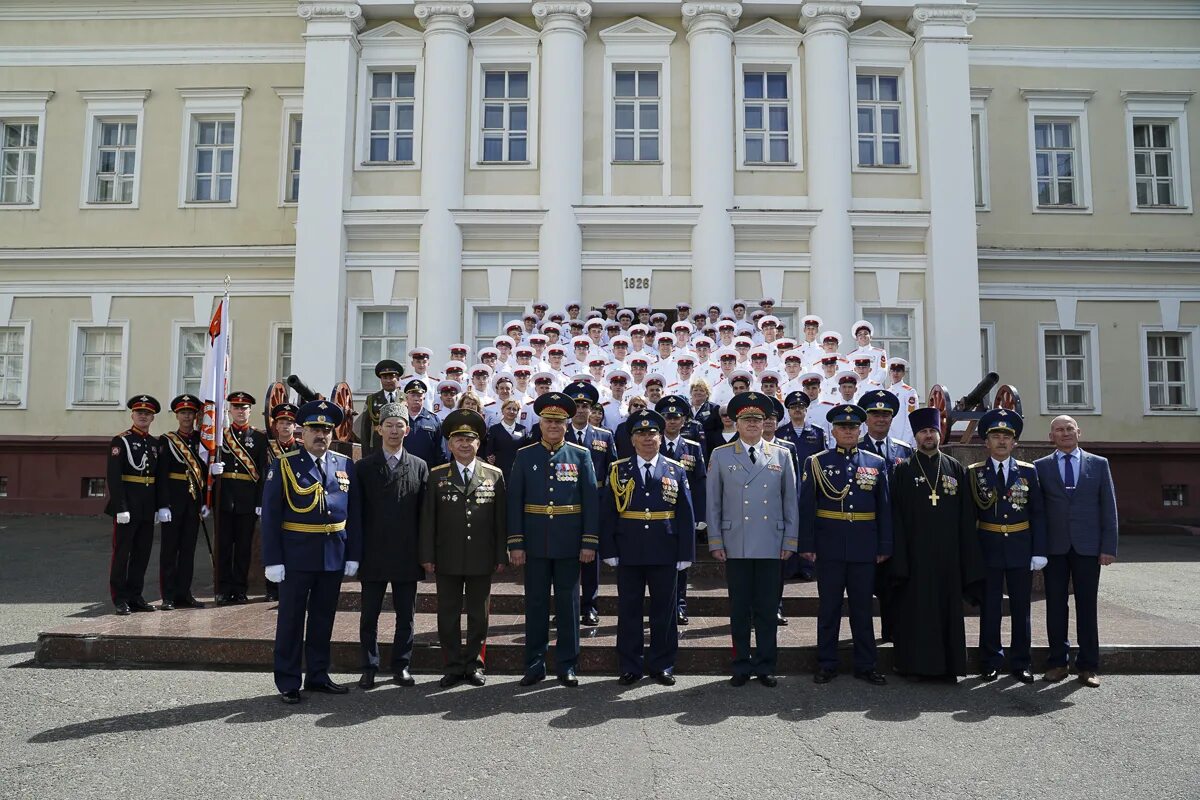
pixel 1000 474
pixel 649 477
pixel 753 458
pixel 321 470
pixel 671 449
pixel 466 473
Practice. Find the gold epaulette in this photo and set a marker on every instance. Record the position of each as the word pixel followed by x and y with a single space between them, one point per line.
pixel 579 446
pixel 619 461
pixel 977 465
pixel 692 441
pixel 289 453
pixel 1023 463
pixel 440 466
pixel 526 447
pixel 723 446
pixel 672 461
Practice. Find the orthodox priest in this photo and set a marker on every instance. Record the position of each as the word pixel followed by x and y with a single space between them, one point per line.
pixel 936 556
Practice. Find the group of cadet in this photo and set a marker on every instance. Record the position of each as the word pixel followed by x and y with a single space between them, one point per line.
pixel 556 467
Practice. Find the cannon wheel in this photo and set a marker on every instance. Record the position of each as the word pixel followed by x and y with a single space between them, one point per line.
pixel 1008 397
pixel 343 397
pixel 276 393
pixel 939 398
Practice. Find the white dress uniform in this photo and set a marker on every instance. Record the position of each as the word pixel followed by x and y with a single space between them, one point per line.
pixel 901 429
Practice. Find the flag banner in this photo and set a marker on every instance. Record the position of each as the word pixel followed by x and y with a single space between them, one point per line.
pixel 214 382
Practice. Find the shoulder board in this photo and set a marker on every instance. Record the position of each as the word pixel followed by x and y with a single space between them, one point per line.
pixel 576 446
pixel 905 386
pixel 289 453
pixel 620 461
pixel 1023 463
pixel 440 467
pixel 723 446
pixel 672 461
pixel 872 455
pixel 602 430
pixel 901 443
pixel 977 465
pixel 488 467
pixel 692 441
pixel 526 447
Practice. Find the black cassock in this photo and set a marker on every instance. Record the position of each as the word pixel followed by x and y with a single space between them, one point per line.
pixel 937 558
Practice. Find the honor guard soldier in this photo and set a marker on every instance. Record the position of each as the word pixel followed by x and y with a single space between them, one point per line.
pixel 676 414
pixel 283 431
pixel 648 534
pixel 846 528
pixel 1012 534
pixel 240 472
pixel 181 486
pixel 132 467
pixel 463 542
pixel 304 546
pixel 388 372
pixel 424 439
pixel 600 443
pixel 553 521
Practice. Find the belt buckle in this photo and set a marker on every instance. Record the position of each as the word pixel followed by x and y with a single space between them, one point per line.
pixel 1004 529
pixel 848 516
pixel 648 515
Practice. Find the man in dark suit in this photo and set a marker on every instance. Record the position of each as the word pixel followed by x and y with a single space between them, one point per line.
pixel 1081 537
pixel 132 463
pixel 385 508
pixel 464 541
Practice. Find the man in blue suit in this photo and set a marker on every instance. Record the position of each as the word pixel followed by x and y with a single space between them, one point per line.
pixel 1081 537
pixel 305 539
pixel 648 534
pixel 424 439
pixel 677 415
pixel 808 440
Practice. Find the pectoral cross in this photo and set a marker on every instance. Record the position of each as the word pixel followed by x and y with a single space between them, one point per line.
pixel 933 498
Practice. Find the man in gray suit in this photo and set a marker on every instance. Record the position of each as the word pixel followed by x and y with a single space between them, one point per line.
pixel 752 526
pixel 1081 537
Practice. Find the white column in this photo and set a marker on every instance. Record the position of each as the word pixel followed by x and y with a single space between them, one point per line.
pixel 443 167
pixel 946 163
pixel 319 289
pixel 710 63
pixel 560 242
pixel 827 93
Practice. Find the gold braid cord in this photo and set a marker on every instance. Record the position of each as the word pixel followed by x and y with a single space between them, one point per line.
pixel 292 486
pixel 622 490
pixel 984 503
pixel 823 483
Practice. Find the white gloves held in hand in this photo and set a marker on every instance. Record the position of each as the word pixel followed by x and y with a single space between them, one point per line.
pixel 204 512
pixel 351 569
pixel 123 517
pixel 258 511
pixel 1036 563
pixel 612 562
pixel 682 565
pixel 164 515
pixel 274 573
pixel 216 468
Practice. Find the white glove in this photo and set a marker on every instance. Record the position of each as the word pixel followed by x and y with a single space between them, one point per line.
pixel 204 512
pixel 612 562
pixel 701 526
pixel 351 569
pixel 1036 563
pixel 258 511
pixel 123 517
pixel 682 565
pixel 216 468
pixel 164 515
pixel 274 573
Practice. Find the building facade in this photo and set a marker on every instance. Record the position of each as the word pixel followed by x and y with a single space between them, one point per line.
pixel 1002 186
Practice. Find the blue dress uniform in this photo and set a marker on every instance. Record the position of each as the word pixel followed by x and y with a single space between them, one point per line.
pixel 553 515
pixel 424 439
pixel 689 453
pixel 601 444
pixel 132 464
pixel 304 528
pixel 808 441
pixel 1012 531
pixel 846 520
pixel 647 527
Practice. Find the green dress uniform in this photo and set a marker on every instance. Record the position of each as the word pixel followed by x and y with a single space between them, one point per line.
pixel 366 422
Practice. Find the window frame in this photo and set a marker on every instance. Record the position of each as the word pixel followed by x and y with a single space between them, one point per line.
pixel 392 47
pixel 1058 105
pixel 769 46
pixel 1160 107
pixel 25 105
pixel 510 46
pixel 26 328
pixel 472 310
pixel 77 328
pixel 179 329
pixel 915 376
pixel 979 119
pixel 1090 361
pixel 276 346
pixel 1189 332
pixel 107 106
pixel 292 100
pixel 355 309
pixel 882 49
pixel 202 105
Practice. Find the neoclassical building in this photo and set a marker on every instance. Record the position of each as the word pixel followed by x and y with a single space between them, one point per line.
pixel 997 185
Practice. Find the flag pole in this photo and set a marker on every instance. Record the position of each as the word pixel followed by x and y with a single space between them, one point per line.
pixel 218 375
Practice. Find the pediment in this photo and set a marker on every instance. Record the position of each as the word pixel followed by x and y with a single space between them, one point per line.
pixel 505 30
pixel 881 33
pixel 637 29
pixel 768 31
pixel 391 31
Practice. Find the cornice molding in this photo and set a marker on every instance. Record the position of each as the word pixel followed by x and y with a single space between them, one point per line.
pixel 1091 9
pixel 573 14
pixel 92 10
pixel 148 54
pixel 109 95
pixel 1085 57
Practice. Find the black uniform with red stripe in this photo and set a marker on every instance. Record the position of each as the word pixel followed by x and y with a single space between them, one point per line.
pixel 245 454
pixel 180 487
pixel 132 462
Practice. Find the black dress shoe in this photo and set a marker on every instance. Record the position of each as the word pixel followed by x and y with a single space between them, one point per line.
pixel 989 675
pixel 628 679
pixel 871 676
pixel 291 698
pixel 122 609
pixel 530 678
pixel 223 599
pixel 780 619
pixel 188 602
pixel 166 605
pixel 665 678
pixel 241 599
pixel 404 678
pixel 569 679
pixel 769 681
pixel 741 679
pixel 1023 675
pixel 328 688
pixel 824 676
pixel 476 677
pixel 589 618
pixel 138 604
pixel 271 597
pixel 681 618
pixel 367 681
pixel 449 681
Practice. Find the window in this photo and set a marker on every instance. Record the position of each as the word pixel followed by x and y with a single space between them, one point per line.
pixel 635 114
pixel 18 161
pixel 1173 495
pixel 283 353
pixel 115 162
pixel 99 366
pixel 1159 166
pixel 192 344
pixel 94 487
pixel 879 121
pixel 893 332
pixel 383 333
pixel 12 366
pixel 1056 160
pixel 766 113
pixel 489 324
pixel 292 181
pixel 211 143
pixel 393 100
pixel 1066 369
pixel 1167 371
pixel 1154 164
pixel 979 147
pixel 113 136
pixel 1058 145
pixel 505 115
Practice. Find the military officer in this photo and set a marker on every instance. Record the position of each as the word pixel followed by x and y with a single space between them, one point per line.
pixel 424 439
pixel 1012 534
pixel 283 430
pixel 304 546
pixel 388 371
pixel 181 487
pixel 553 527
pixel 463 542
pixel 239 473
pixel 846 528
pixel 677 413
pixel 131 475
pixel 601 444
pixel 808 439
pixel 648 534
pixel 751 497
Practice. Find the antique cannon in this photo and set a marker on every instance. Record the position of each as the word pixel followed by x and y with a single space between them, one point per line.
pixel 972 406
